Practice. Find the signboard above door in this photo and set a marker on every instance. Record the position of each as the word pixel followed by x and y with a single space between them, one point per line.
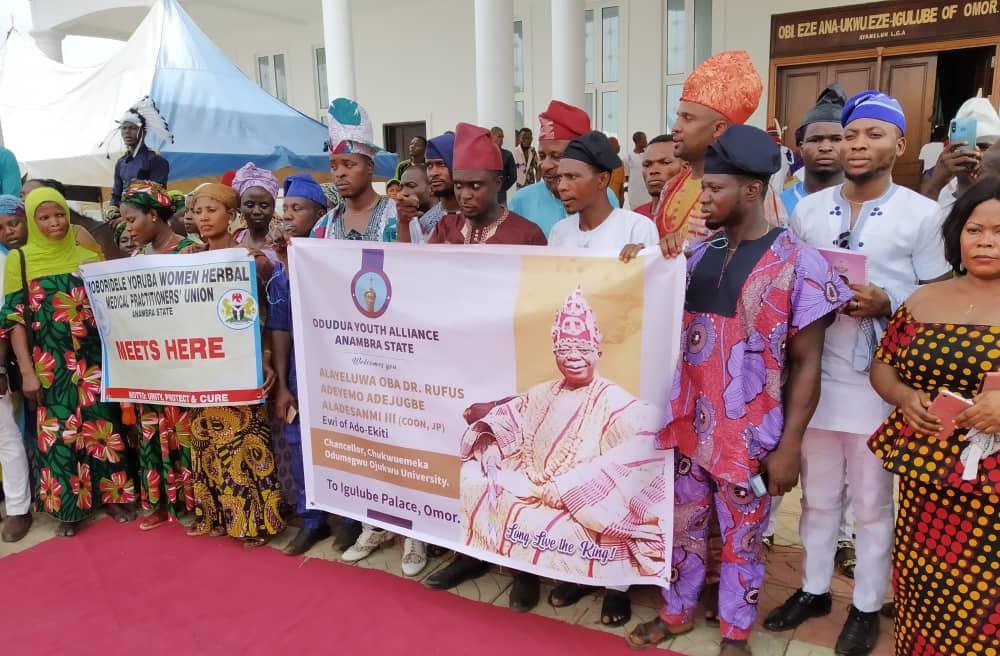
pixel 881 24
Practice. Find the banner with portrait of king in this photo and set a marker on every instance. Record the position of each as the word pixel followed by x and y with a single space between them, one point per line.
pixel 500 401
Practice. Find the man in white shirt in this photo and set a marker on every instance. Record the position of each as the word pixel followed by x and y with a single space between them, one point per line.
pixel 592 222
pixel 637 194
pixel 898 231
pixel 13 458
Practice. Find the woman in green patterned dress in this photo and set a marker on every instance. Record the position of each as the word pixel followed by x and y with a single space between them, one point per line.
pixel 164 445
pixel 80 457
pixel 236 479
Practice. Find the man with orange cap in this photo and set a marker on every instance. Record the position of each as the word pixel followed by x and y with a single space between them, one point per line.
pixel 724 90
pixel 478 176
pixel 539 202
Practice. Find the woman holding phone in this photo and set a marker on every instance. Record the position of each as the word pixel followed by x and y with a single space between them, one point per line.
pixel 946 337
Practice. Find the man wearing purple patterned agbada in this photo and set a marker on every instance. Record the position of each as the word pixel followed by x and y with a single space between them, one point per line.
pixel 757 305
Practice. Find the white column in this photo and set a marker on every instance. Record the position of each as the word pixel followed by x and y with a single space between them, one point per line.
pixel 495 64
pixel 49 42
pixel 338 42
pixel 567 51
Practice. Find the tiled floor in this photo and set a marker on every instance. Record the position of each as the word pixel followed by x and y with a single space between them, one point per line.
pixel 814 638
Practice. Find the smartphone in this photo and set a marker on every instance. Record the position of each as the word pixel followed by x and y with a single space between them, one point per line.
pixel 991 382
pixel 758 484
pixel 963 130
pixel 946 406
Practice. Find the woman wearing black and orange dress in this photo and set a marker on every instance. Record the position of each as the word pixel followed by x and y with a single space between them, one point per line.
pixel 947 336
pixel 236 486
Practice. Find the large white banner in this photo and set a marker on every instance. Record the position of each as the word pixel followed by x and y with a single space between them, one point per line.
pixel 179 329
pixel 500 401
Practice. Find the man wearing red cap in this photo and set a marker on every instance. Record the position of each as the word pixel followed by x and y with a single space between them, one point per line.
pixel 478 177
pixel 539 202
pixel 724 90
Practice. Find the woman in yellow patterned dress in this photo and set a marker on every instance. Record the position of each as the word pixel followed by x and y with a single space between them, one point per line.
pixel 947 336
pixel 236 484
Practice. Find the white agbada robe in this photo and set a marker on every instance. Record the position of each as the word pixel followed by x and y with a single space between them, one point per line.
pixel 900 233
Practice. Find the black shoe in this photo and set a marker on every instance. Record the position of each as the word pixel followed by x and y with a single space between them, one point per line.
pixel 434 551
pixel 305 540
pixel 462 569
pixel 346 535
pixel 616 610
pixel 889 610
pixel 524 592
pixel 859 635
pixel 797 609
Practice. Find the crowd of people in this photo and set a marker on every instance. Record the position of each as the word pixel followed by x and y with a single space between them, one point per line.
pixel 789 373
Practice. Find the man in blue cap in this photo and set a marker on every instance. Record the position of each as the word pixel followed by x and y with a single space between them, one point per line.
pixel 757 305
pixel 439 157
pixel 897 231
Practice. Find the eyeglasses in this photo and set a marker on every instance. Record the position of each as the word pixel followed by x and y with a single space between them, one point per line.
pixel 566 351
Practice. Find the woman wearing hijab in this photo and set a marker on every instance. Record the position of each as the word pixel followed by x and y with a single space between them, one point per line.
pixel 80 457
pixel 236 479
pixel 258 189
pixel 92 235
pixel 165 477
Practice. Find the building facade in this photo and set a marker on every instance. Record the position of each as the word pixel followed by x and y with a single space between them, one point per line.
pixel 422 65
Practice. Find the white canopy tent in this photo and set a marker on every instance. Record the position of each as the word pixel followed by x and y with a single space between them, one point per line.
pixel 55 117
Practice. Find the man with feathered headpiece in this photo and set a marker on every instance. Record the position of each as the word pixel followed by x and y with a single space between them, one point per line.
pixel 566 457
pixel 139 162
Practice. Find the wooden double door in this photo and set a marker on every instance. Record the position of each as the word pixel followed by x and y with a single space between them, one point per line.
pixel 910 80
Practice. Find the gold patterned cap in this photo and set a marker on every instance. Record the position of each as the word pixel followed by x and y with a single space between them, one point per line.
pixel 726 82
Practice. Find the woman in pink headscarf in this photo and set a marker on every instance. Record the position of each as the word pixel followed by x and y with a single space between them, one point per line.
pixel 258 190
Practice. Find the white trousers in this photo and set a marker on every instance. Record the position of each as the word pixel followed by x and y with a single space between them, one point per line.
pixel 827 458
pixel 13 459
pixel 846 518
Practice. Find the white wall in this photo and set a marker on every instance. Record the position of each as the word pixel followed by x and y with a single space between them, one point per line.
pixel 537 17
pixel 644 70
pixel 744 25
pixel 242 36
pixel 415 61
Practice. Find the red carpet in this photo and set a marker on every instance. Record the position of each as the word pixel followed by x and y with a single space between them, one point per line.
pixel 115 590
